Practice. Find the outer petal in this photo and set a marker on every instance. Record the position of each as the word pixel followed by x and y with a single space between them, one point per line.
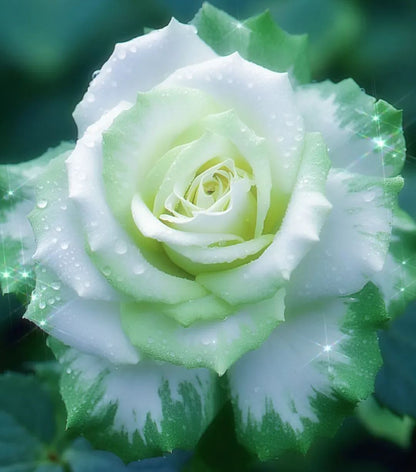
pixel 262 99
pixel 17 196
pixel 139 65
pixel 354 240
pixel 59 236
pixel 136 411
pixel 114 253
pixel 363 136
pixel 290 389
pixel 300 229
pixel 92 326
pixel 213 344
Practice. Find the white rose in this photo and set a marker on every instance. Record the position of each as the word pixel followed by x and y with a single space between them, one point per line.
pixel 215 218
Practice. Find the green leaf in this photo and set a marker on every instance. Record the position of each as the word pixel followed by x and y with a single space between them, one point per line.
pixel 83 458
pixel 136 411
pixel 306 377
pixel 397 280
pixel 26 422
pixel 383 423
pixel 257 39
pixel 17 184
pixel 396 382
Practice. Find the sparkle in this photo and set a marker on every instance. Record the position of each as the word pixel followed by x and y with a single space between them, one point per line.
pixel 327 348
pixel 10 193
pixel 375 118
pixel 25 274
pixel 379 142
pixel 5 274
pixel 239 25
pixel 42 323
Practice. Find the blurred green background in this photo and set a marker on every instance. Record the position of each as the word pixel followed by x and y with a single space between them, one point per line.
pixel 48 52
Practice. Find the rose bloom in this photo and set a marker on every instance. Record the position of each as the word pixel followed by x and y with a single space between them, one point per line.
pixel 217 233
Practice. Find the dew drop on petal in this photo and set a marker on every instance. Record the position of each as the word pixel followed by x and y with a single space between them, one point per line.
pixel 64 245
pixel 137 269
pixel 120 247
pixel 42 204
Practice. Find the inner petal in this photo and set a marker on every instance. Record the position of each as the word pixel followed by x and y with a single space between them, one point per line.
pixel 217 197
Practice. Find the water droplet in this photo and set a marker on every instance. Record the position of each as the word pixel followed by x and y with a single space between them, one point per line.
pixel 106 271
pixel 63 207
pixel 51 301
pixel 42 204
pixel 120 247
pixel 137 269
pixel 64 245
pixel 56 285
pixel 42 304
pixel 69 371
pixel 95 73
pixel 58 228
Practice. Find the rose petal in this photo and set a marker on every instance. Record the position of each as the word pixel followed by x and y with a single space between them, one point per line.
pixel 262 99
pixel 213 344
pixel 299 382
pixel 300 229
pixel 363 136
pixel 354 240
pixel 92 326
pixel 136 411
pixel 138 65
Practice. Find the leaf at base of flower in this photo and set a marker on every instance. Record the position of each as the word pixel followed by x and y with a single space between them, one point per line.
pixel 305 378
pixel 136 411
pixel 257 39
pixel 397 280
pixel 396 381
pixel 26 422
